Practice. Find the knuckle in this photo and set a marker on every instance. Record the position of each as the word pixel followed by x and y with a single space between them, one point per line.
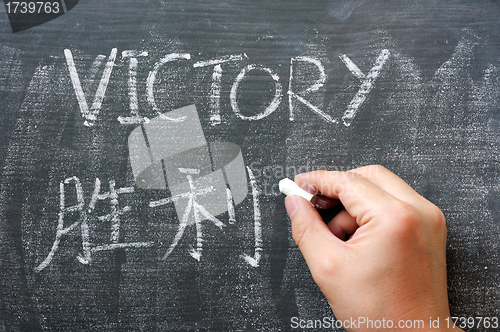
pixel 376 169
pixel 407 218
pixel 411 221
pixel 405 212
pixel 437 218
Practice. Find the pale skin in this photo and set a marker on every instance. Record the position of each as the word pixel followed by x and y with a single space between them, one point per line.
pixel 383 256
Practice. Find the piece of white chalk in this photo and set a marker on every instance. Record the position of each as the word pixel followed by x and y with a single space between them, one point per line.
pixel 288 187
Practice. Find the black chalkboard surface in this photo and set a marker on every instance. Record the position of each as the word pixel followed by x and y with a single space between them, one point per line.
pixel 142 143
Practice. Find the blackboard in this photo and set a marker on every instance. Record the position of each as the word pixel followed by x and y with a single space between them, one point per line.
pixel 290 86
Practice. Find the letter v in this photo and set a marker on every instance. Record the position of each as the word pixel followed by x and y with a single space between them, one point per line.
pixel 90 115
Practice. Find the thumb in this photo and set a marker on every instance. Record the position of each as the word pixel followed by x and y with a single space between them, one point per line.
pixel 319 246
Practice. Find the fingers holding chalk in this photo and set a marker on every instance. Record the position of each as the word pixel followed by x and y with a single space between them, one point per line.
pixel 343 225
pixel 289 188
pixel 360 197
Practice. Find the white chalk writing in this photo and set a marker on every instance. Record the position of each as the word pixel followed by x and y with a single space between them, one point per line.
pixel 113 217
pixel 316 86
pixel 197 209
pixel 152 78
pixel 366 85
pixel 269 109
pixel 90 115
pixel 254 261
pixel 135 118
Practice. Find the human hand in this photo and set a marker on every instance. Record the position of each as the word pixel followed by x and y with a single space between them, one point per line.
pixel 383 257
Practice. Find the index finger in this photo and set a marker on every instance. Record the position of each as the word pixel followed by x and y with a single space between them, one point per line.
pixel 362 198
pixel 390 182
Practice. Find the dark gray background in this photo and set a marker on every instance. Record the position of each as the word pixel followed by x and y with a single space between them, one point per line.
pixel 432 117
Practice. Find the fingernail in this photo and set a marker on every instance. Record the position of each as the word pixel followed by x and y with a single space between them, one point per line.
pixel 291 203
pixel 298 176
pixel 309 188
